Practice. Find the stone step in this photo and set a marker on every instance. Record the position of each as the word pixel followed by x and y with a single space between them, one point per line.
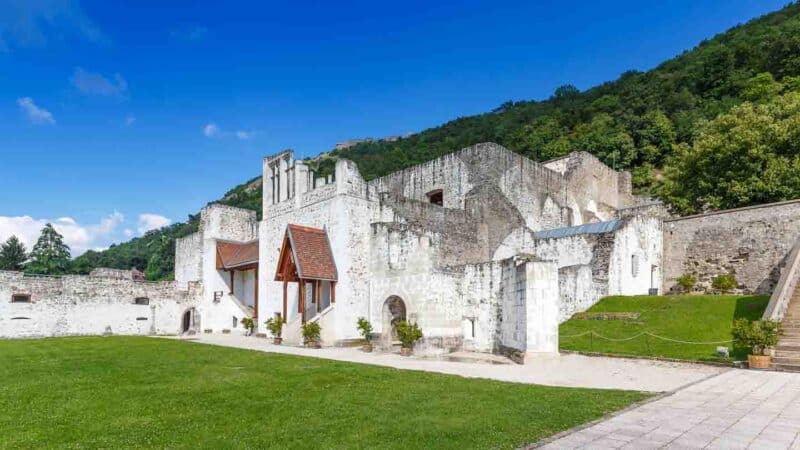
pixel 786 361
pixel 782 353
pixel 788 348
pixel 789 342
pixel 785 367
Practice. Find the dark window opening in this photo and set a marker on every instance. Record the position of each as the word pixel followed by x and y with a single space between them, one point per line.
pixel 21 298
pixel 141 318
pixel 436 197
pixel 141 301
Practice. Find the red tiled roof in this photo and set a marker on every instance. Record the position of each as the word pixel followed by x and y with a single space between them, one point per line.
pixel 311 252
pixel 232 255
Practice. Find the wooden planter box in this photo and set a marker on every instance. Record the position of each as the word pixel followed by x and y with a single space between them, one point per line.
pixel 758 361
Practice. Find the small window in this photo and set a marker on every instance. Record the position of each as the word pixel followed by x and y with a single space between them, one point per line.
pixel 235 322
pixel 141 301
pixel 436 197
pixel 21 298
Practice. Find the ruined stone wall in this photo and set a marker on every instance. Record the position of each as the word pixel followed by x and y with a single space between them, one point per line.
pixel 85 305
pixel 751 243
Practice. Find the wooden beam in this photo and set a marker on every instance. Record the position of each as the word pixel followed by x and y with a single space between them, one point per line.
pixel 231 272
pixel 318 293
pixel 333 292
pixel 256 294
pixel 301 304
pixel 285 300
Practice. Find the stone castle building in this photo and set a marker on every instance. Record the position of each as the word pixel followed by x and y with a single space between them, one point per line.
pixel 485 249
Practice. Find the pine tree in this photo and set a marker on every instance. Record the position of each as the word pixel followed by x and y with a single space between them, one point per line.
pixel 13 254
pixel 50 255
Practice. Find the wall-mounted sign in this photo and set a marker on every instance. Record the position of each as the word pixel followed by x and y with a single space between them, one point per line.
pixel 217 296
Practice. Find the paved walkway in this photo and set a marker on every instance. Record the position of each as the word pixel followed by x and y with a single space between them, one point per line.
pixel 565 370
pixel 735 410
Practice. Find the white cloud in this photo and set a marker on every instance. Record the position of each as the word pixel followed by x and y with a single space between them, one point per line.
pixel 35 114
pixel 130 120
pixel 127 232
pixel 245 135
pixel 33 23
pixel 96 84
pixel 211 130
pixel 150 221
pixel 78 237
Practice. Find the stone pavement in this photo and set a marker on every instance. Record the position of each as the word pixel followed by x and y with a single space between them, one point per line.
pixel 565 370
pixel 734 410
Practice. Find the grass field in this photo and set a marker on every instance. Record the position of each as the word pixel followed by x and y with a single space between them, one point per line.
pixel 127 392
pixel 692 318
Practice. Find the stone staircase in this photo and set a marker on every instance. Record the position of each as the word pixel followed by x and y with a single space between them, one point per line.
pixel 787 353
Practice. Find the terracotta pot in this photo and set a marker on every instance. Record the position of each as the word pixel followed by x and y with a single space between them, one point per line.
pixel 367 347
pixel 277 340
pixel 406 351
pixel 312 343
pixel 758 361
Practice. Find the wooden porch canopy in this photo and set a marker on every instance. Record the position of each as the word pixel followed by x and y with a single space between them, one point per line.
pixel 306 256
pixel 239 256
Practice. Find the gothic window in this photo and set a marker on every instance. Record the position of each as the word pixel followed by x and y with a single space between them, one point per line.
pixel 21 298
pixel 436 197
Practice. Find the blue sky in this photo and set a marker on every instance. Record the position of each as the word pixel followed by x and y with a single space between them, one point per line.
pixel 116 117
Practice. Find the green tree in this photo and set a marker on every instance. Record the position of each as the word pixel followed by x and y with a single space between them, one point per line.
pixel 761 87
pixel 750 155
pixel 13 254
pixel 161 264
pixel 50 255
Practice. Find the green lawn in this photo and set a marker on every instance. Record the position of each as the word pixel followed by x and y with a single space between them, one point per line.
pixel 127 392
pixel 692 318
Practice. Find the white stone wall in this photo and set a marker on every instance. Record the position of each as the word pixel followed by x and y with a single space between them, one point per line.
pixel 189 258
pixel 84 305
pixel 346 218
pixel 635 264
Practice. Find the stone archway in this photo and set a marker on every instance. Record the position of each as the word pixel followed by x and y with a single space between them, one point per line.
pixel 394 310
pixel 190 321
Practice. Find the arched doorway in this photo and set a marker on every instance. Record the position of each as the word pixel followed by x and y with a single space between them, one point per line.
pixel 394 310
pixel 190 322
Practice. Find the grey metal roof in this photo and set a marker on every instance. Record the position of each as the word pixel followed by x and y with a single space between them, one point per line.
pixel 589 228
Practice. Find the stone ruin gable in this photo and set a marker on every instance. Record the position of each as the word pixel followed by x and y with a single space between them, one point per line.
pixel 751 242
pixel 290 183
pixel 85 305
pixel 589 178
pixel 538 193
pixel 463 236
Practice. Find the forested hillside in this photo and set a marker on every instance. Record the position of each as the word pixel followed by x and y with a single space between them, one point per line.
pixel 716 127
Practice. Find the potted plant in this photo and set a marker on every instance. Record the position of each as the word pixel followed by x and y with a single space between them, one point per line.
pixel 249 324
pixel 311 331
pixel 365 328
pixel 408 333
pixel 758 336
pixel 275 326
